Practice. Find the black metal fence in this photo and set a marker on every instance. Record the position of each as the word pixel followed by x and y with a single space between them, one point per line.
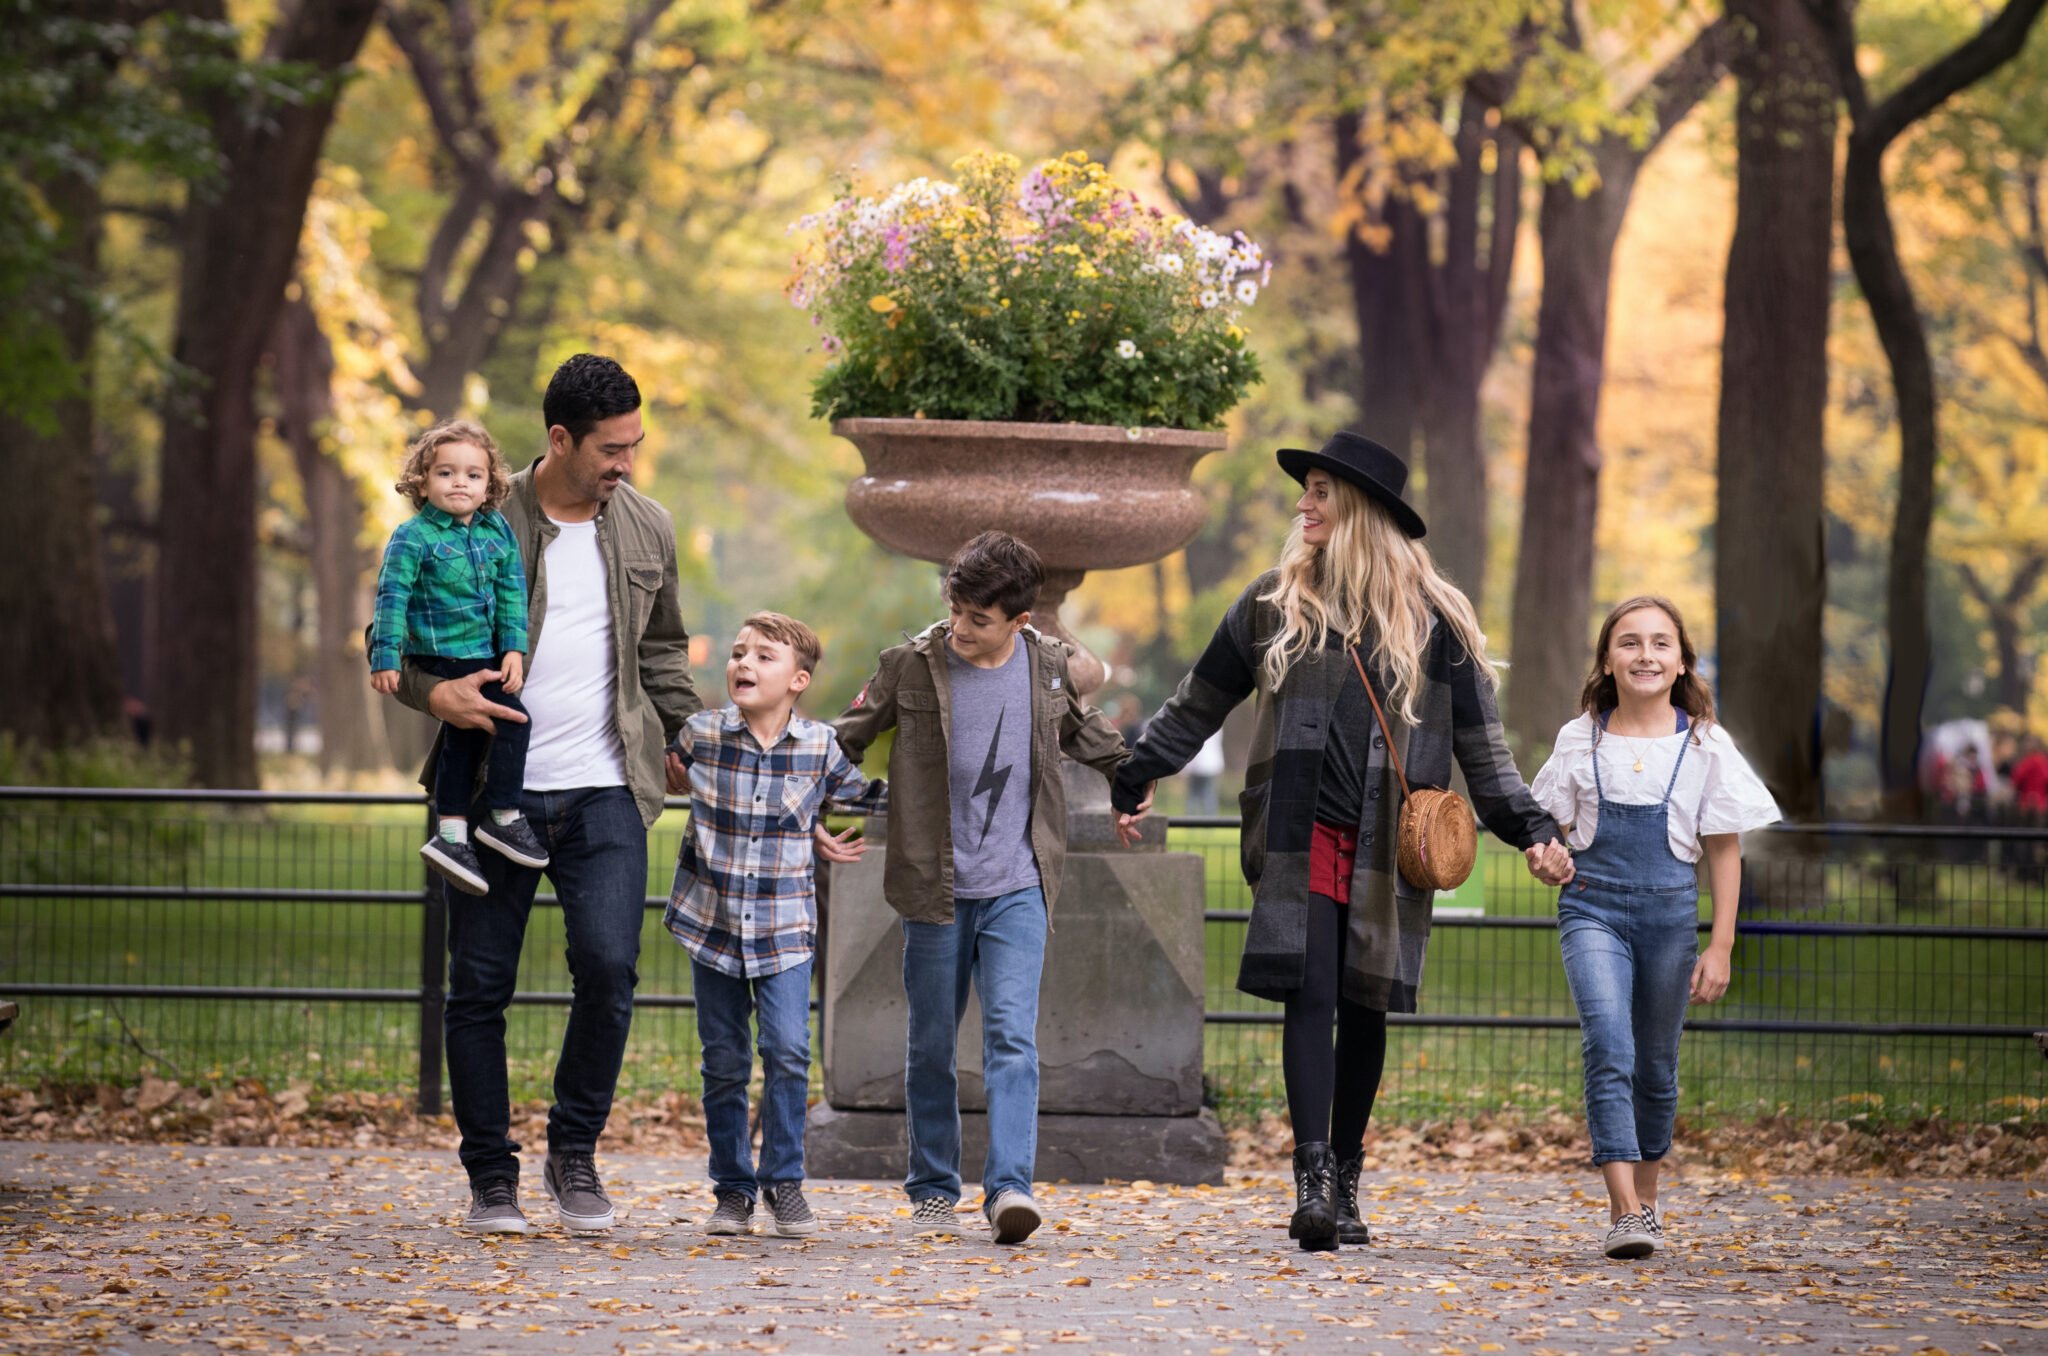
pixel 210 936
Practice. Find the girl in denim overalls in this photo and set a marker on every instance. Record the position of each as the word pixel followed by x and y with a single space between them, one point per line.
pixel 1648 783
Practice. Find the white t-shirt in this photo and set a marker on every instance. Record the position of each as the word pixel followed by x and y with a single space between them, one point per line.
pixel 570 685
pixel 1717 790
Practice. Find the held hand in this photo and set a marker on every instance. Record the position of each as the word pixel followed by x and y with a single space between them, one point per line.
pixel 514 669
pixel 678 775
pixel 843 849
pixel 1551 863
pixel 460 702
pixel 1710 975
pixel 1127 831
pixel 384 681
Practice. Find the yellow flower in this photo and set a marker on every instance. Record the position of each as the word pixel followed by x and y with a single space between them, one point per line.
pixel 1084 269
pixel 1005 303
pixel 881 305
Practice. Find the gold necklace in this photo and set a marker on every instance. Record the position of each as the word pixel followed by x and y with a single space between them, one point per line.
pixel 1632 748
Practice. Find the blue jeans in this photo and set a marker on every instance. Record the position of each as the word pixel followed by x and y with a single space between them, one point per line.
pixel 598 862
pixel 503 752
pixel 782 1004
pixel 998 945
pixel 1629 953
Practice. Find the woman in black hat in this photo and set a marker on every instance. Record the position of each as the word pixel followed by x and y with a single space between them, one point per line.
pixel 1336 933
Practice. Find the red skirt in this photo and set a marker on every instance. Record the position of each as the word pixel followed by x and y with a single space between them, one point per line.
pixel 1332 852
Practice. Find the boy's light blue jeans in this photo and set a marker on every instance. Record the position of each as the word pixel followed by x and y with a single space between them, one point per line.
pixel 998 945
pixel 781 1003
pixel 1629 953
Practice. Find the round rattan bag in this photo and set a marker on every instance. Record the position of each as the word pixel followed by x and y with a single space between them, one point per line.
pixel 1438 842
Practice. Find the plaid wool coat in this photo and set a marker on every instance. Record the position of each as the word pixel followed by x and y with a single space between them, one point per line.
pixel 1389 918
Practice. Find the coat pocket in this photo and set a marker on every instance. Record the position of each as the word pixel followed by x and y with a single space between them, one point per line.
pixel 1251 833
pixel 917 720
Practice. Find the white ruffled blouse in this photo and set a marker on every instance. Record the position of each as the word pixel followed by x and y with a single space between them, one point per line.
pixel 1717 790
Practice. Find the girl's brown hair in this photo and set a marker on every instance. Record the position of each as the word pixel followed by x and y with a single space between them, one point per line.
pixel 419 459
pixel 1689 694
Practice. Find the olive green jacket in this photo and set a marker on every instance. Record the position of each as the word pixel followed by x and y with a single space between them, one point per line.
pixel 911 691
pixel 654 695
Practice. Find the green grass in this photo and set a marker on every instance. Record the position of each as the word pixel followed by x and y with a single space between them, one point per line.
pixel 1431 1070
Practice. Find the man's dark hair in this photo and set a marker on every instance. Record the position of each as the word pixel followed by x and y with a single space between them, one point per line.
pixel 995 570
pixel 585 391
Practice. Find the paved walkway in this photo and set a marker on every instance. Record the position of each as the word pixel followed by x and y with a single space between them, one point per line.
pixel 124 1249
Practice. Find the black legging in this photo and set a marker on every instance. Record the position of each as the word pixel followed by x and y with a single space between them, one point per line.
pixel 1319 1101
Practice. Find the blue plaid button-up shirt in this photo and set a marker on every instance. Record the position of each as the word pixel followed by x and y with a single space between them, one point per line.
pixel 745 896
pixel 449 590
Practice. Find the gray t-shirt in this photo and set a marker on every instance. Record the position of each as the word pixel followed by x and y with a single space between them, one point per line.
pixel 990 775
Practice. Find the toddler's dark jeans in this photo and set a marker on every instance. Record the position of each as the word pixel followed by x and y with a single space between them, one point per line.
pixel 504 753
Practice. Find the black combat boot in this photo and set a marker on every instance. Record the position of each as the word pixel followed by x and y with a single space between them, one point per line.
pixel 1315 1219
pixel 1350 1228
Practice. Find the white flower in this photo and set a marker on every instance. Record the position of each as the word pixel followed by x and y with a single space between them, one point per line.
pixel 1127 349
pixel 1171 263
pixel 1211 299
pixel 1247 292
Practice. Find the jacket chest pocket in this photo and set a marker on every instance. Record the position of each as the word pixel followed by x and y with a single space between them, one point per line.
pixel 917 721
pixel 643 584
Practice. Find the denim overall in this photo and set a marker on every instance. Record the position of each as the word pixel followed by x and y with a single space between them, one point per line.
pixel 1628 925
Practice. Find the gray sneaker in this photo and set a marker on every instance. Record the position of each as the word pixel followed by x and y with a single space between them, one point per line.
pixel 457 864
pixel 734 1215
pixel 494 1208
pixel 1014 1215
pixel 793 1217
pixel 571 1182
pixel 1629 1238
pixel 935 1213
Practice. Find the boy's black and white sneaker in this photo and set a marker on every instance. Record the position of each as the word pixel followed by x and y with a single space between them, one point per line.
pixel 457 864
pixel 494 1208
pixel 1629 1238
pixel 514 842
pixel 935 1213
pixel 571 1182
pixel 734 1215
pixel 793 1217
pixel 1013 1215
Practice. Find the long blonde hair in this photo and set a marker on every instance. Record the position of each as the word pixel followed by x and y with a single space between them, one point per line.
pixel 1370 573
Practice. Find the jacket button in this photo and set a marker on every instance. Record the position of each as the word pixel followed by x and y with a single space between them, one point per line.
pixel 1374 793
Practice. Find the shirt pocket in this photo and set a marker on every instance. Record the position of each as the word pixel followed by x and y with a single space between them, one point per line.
pixel 800 795
pixel 917 720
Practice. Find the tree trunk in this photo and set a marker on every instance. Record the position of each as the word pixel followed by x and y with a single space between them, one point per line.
pixel 1463 326
pixel 351 732
pixel 1553 604
pixel 58 666
pixel 1387 299
pixel 1770 567
pixel 1874 254
pixel 236 249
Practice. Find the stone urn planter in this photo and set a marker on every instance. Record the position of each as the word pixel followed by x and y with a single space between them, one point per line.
pixel 1120 1025
pixel 1085 496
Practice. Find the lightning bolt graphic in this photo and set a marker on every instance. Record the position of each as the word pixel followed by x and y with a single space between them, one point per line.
pixel 991 780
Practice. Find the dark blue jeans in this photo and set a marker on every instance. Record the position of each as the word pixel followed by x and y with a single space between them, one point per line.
pixel 780 1005
pixel 504 753
pixel 598 863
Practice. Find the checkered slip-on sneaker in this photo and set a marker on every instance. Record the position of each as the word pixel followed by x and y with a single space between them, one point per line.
pixel 792 1214
pixel 1014 1216
pixel 1629 1238
pixel 935 1213
pixel 734 1215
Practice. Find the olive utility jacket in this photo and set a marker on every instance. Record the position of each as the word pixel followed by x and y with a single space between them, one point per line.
pixel 911 690
pixel 654 695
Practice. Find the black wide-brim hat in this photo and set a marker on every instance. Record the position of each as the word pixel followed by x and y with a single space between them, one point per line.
pixel 1363 462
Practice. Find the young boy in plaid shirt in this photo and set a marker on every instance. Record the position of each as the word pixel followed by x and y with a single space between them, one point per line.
pixel 745 907
pixel 451 595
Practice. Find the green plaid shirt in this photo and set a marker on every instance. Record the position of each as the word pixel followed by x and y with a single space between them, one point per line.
pixel 451 590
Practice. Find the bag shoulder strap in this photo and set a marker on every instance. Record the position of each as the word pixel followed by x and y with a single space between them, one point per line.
pixel 1381 716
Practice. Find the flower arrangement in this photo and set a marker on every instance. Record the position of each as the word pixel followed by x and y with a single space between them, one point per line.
pixel 1052 296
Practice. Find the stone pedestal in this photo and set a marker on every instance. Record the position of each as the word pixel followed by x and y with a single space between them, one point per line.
pixel 1119 1032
